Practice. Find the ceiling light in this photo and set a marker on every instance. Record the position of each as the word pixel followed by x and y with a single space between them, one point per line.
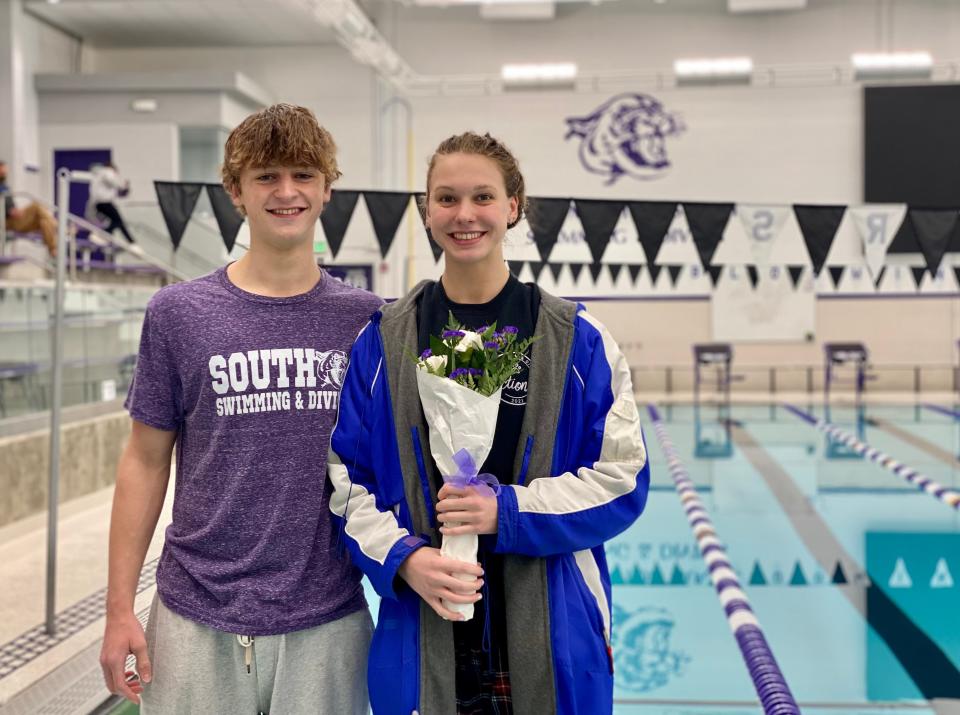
pixel 722 70
pixel 880 65
pixel 546 74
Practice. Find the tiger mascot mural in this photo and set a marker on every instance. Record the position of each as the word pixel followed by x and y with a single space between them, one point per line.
pixel 626 136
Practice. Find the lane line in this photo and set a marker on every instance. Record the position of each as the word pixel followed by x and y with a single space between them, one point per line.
pixel 917 442
pixel 950 497
pixel 762 666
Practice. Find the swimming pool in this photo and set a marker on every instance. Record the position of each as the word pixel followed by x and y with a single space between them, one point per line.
pixel 851 571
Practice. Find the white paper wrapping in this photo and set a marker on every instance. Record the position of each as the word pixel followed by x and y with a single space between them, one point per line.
pixel 459 418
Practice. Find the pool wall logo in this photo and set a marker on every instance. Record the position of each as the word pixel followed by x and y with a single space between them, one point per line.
pixel 642 656
pixel 626 136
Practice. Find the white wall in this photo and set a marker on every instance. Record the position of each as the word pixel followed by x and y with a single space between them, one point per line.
pixel 143 152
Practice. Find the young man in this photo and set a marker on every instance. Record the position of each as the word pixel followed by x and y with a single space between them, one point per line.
pixel 241 369
pixel 30 218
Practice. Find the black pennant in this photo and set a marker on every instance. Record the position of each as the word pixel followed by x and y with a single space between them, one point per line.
pixel 819 225
pixel 634 269
pixel 754 275
pixel 545 218
pixel 595 269
pixel 575 269
pixel 537 268
pixel 795 273
pixel 652 219
pixel 435 249
pixel 177 201
pixel 674 272
pixel 336 216
pixel 515 267
pixel 599 217
pixel 555 269
pixel 654 270
pixel 956 272
pixel 614 269
pixel 707 223
pixel 714 272
pixel 917 274
pixel 836 273
pixel 386 209
pixel 228 218
pixel 904 240
pixel 933 229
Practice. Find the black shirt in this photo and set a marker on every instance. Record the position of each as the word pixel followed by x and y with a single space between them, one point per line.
pixel 517 304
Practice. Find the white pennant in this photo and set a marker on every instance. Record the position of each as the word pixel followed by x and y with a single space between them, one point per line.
pixel 763 224
pixel 877 224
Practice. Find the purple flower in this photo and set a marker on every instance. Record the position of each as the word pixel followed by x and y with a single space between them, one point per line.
pixel 509 330
pixel 491 345
pixel 459 372
pixel 482 328
pixel 475 371
pixel 452 334
pixel 426 353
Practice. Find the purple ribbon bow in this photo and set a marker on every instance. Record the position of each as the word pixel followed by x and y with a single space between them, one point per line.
pixel 485 483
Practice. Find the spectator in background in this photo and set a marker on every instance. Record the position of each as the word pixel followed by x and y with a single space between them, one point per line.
pixel 106 187
pixel 30 218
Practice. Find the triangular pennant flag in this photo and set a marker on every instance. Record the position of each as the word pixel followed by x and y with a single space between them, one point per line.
pixel 917 274
pixel 836 273
pixel 795 273
pixel 636 578
pixel 634 269
pixel 956 272
pixel 818 224
pixel 420 199
pixel 798 578
pixel 177 201
pixel 879 277
pixel 839 577
pixel 515 267
pixel 933 229
pixel 656 577
pixel 336 216
pixel 386 209
pixel 229 219
pixel 652 219
pixel 555 269
pixel 537 268
pixel 674 272
pixel 598 217
pixel 756 576
pixel 676 576
pixel 595 269
pixel 714 272
pixel 654 271
pixel 615 269
pixel 942 578
pixel 877 225
pixel 900 577
pixel 707 223
pixel 575 269
pixel 546 217
pixel 754 275
pixel 904 240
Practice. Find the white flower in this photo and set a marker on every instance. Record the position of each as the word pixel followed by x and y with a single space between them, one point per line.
pixel 469 340
pixel 434 364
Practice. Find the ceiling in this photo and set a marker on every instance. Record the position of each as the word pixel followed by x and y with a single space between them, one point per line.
pixel 183 23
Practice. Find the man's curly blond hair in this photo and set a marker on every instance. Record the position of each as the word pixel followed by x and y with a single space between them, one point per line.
pixel 280 135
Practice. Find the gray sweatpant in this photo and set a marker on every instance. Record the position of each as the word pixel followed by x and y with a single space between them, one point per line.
pixel 197 669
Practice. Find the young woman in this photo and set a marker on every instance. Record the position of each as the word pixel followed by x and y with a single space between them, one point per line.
pixel 568 451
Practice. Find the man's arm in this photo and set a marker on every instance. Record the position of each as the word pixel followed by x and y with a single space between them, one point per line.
pixel 142 478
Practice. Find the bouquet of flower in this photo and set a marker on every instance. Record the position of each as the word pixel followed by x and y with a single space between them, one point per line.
pixel 459 379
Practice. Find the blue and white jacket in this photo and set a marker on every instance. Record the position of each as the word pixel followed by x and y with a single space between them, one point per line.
pixel 582 478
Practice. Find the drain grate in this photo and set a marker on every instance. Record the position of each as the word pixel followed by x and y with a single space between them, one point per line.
pixel 35 642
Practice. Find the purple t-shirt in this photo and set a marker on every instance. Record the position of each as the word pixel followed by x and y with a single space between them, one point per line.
pixel 252 384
